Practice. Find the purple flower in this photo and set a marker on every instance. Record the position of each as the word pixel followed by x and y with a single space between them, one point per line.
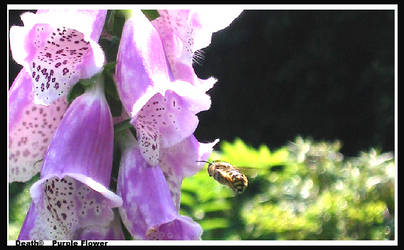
pixel 32 125
pixel 183 32
pixel 148 210
pixel 57 48
pixel 160 93
pixel 34 228
pixel 162 111
pixel 71 200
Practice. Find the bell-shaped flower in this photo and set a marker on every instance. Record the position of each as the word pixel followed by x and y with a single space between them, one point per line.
pixel 162 111
pixel 31 128
pixel 148 210
pixel 32 125
pixel 184 32
pixel 72 198
pixel 57 48
pixel 31 230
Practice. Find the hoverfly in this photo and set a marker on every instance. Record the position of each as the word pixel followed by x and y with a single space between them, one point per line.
pixel 228 175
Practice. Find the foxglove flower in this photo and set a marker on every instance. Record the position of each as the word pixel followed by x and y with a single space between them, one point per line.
pixel 162 111
pixel 57 48
pixel 71 200
pixel 32 125
pixel 184 32
pixel 31 229
pixel 148 210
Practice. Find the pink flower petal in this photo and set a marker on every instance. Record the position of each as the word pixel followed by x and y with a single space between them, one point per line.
pixel 68 209
pixel 182 228
pixel 31 128
pixel 185 31
pixel 162 111
pixel 57 48
pixel 72 195
pixel 148 211
pixel 208 21
pixel 88 21
pixel 83 142
pixel 166 120
pixel 141 65
pixel 113 231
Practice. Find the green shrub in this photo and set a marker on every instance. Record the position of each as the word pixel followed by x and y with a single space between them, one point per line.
pixel 303 191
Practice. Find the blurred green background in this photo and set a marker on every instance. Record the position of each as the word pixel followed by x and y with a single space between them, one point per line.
pixel 305 190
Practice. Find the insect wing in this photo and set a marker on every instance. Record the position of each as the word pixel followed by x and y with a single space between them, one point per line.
pixel 249 171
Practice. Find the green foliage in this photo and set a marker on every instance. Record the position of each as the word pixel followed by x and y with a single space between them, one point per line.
pixel 111 33
pixel 303 191
pixel 20 200
pixel 114 23
pixel 111 93
pixel 151 14
pixel 77 90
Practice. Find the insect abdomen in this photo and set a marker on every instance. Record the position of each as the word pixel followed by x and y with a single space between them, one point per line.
pixel 226 174
pixel 239 182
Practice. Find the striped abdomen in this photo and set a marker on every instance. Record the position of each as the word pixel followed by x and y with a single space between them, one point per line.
pixel 226 174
